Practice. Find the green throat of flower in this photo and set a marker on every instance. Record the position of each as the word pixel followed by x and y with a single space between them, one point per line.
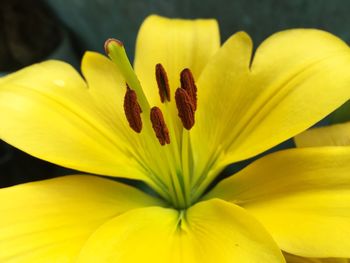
pixel 167 155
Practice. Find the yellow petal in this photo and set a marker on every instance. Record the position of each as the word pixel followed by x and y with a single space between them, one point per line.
pixel 295 259
pixel 297 77
pixel 302 196
pixel 49 221
pixel 48 111
pixel 176 44
pixel 212 231
pixel 221 90
pixel 334 135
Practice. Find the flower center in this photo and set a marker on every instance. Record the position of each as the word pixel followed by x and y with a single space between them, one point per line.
pixel 170 167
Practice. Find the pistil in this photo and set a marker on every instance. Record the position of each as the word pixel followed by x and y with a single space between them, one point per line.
pixel 116 52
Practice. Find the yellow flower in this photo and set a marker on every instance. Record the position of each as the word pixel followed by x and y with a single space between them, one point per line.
pixel 296 200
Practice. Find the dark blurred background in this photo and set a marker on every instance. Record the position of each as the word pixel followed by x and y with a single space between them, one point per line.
pixel 34 30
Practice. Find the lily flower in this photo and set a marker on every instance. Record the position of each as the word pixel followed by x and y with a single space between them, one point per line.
pixel 185 111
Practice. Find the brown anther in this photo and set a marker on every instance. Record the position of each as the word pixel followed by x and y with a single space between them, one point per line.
pixel 163 83
pixel 185 108
pixel 188 84
pixel 159 126
pixel 132 110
